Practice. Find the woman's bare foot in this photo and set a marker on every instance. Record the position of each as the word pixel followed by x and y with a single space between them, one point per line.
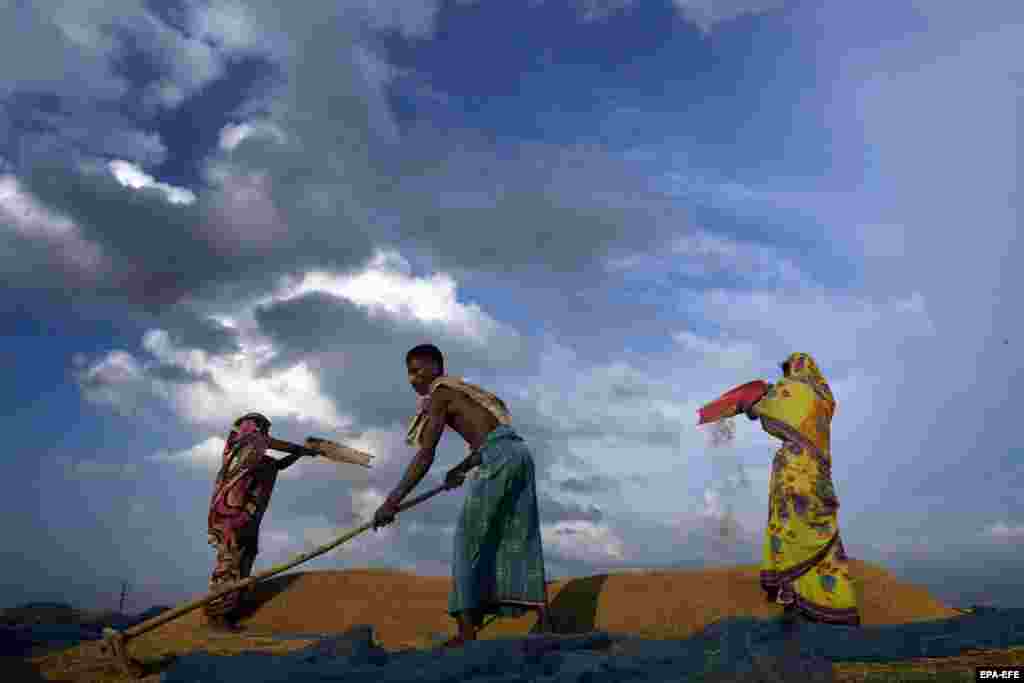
pixel 223 625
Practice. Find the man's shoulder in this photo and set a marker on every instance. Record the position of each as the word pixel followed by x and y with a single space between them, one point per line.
pixel 443 394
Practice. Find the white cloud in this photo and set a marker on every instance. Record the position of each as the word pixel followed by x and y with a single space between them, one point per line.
pixel 232 135
pixel 118 381
pixel 1006 532
pixel 210 389
pixel 707 14
pixel 123 382
pixel 705 254
pixel 276 539
pixel 627 422
pixel 21 213
pixel 414 18
pixel 724 519
pixel 237 386
pixel 713 505
pixel 130 175
pixel 39 42
pixel 583 540
pixel 388 286
pixel 225 24
pixel 365 503
pixel 277 545
pixel 599 10
pixel 622 421
pixel 722 353
pixel 188 61
pixel 243 205
pixel 205 455
pixel 845 327
pixel 320 535
pixel 611 401
pixel 165 93
pixel 376 71
pixel 616 408
pixel 29 217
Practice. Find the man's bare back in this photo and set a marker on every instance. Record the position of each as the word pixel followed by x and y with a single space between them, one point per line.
pixel 472 421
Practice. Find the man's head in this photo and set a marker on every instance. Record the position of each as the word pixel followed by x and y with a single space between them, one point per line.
pixel 425 363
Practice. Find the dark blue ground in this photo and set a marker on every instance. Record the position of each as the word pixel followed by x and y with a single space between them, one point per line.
pixel 728 647
pixel 20 641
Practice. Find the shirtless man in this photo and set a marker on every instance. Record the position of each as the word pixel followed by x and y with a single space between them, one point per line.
pixel 498 565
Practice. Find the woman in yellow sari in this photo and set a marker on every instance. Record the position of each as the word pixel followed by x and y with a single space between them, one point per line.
pixel 804 565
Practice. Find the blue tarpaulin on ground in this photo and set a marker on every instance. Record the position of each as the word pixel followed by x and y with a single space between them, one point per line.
pixel 728 646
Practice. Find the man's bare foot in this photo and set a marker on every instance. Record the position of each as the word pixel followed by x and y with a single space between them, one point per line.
pixel 468 627
pixel 543 621
pixel 457 641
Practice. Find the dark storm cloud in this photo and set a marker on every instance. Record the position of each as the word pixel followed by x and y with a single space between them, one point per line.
pixel 158 249
pixel 319 321
pixel 188 329
pixel 159 253
pixel 62 125
pixel 343 179
pixel 192 131
pixel 361 357
pixel 501 206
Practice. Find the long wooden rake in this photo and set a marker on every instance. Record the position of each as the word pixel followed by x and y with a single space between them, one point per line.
pixel 115 642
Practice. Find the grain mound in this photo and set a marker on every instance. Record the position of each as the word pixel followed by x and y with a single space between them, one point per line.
pixel 410 611
pixel 406 609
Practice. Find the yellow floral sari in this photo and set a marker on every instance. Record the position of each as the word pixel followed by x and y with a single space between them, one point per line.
pixel 804 565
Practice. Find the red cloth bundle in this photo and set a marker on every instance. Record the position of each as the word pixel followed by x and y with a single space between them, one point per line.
pixel 727 405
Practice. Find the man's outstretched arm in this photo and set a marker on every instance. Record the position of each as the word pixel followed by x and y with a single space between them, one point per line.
pixel 424 458
pixel 295 451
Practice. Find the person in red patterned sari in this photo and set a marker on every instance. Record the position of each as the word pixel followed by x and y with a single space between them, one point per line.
pixel 241 494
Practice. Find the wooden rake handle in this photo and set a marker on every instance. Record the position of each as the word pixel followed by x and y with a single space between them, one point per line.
pixel 116 639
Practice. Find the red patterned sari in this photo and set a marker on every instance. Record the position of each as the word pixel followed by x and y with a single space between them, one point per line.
pixel 240 497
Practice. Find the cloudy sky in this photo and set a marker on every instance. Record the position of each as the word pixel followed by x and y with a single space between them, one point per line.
pixel 608 212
